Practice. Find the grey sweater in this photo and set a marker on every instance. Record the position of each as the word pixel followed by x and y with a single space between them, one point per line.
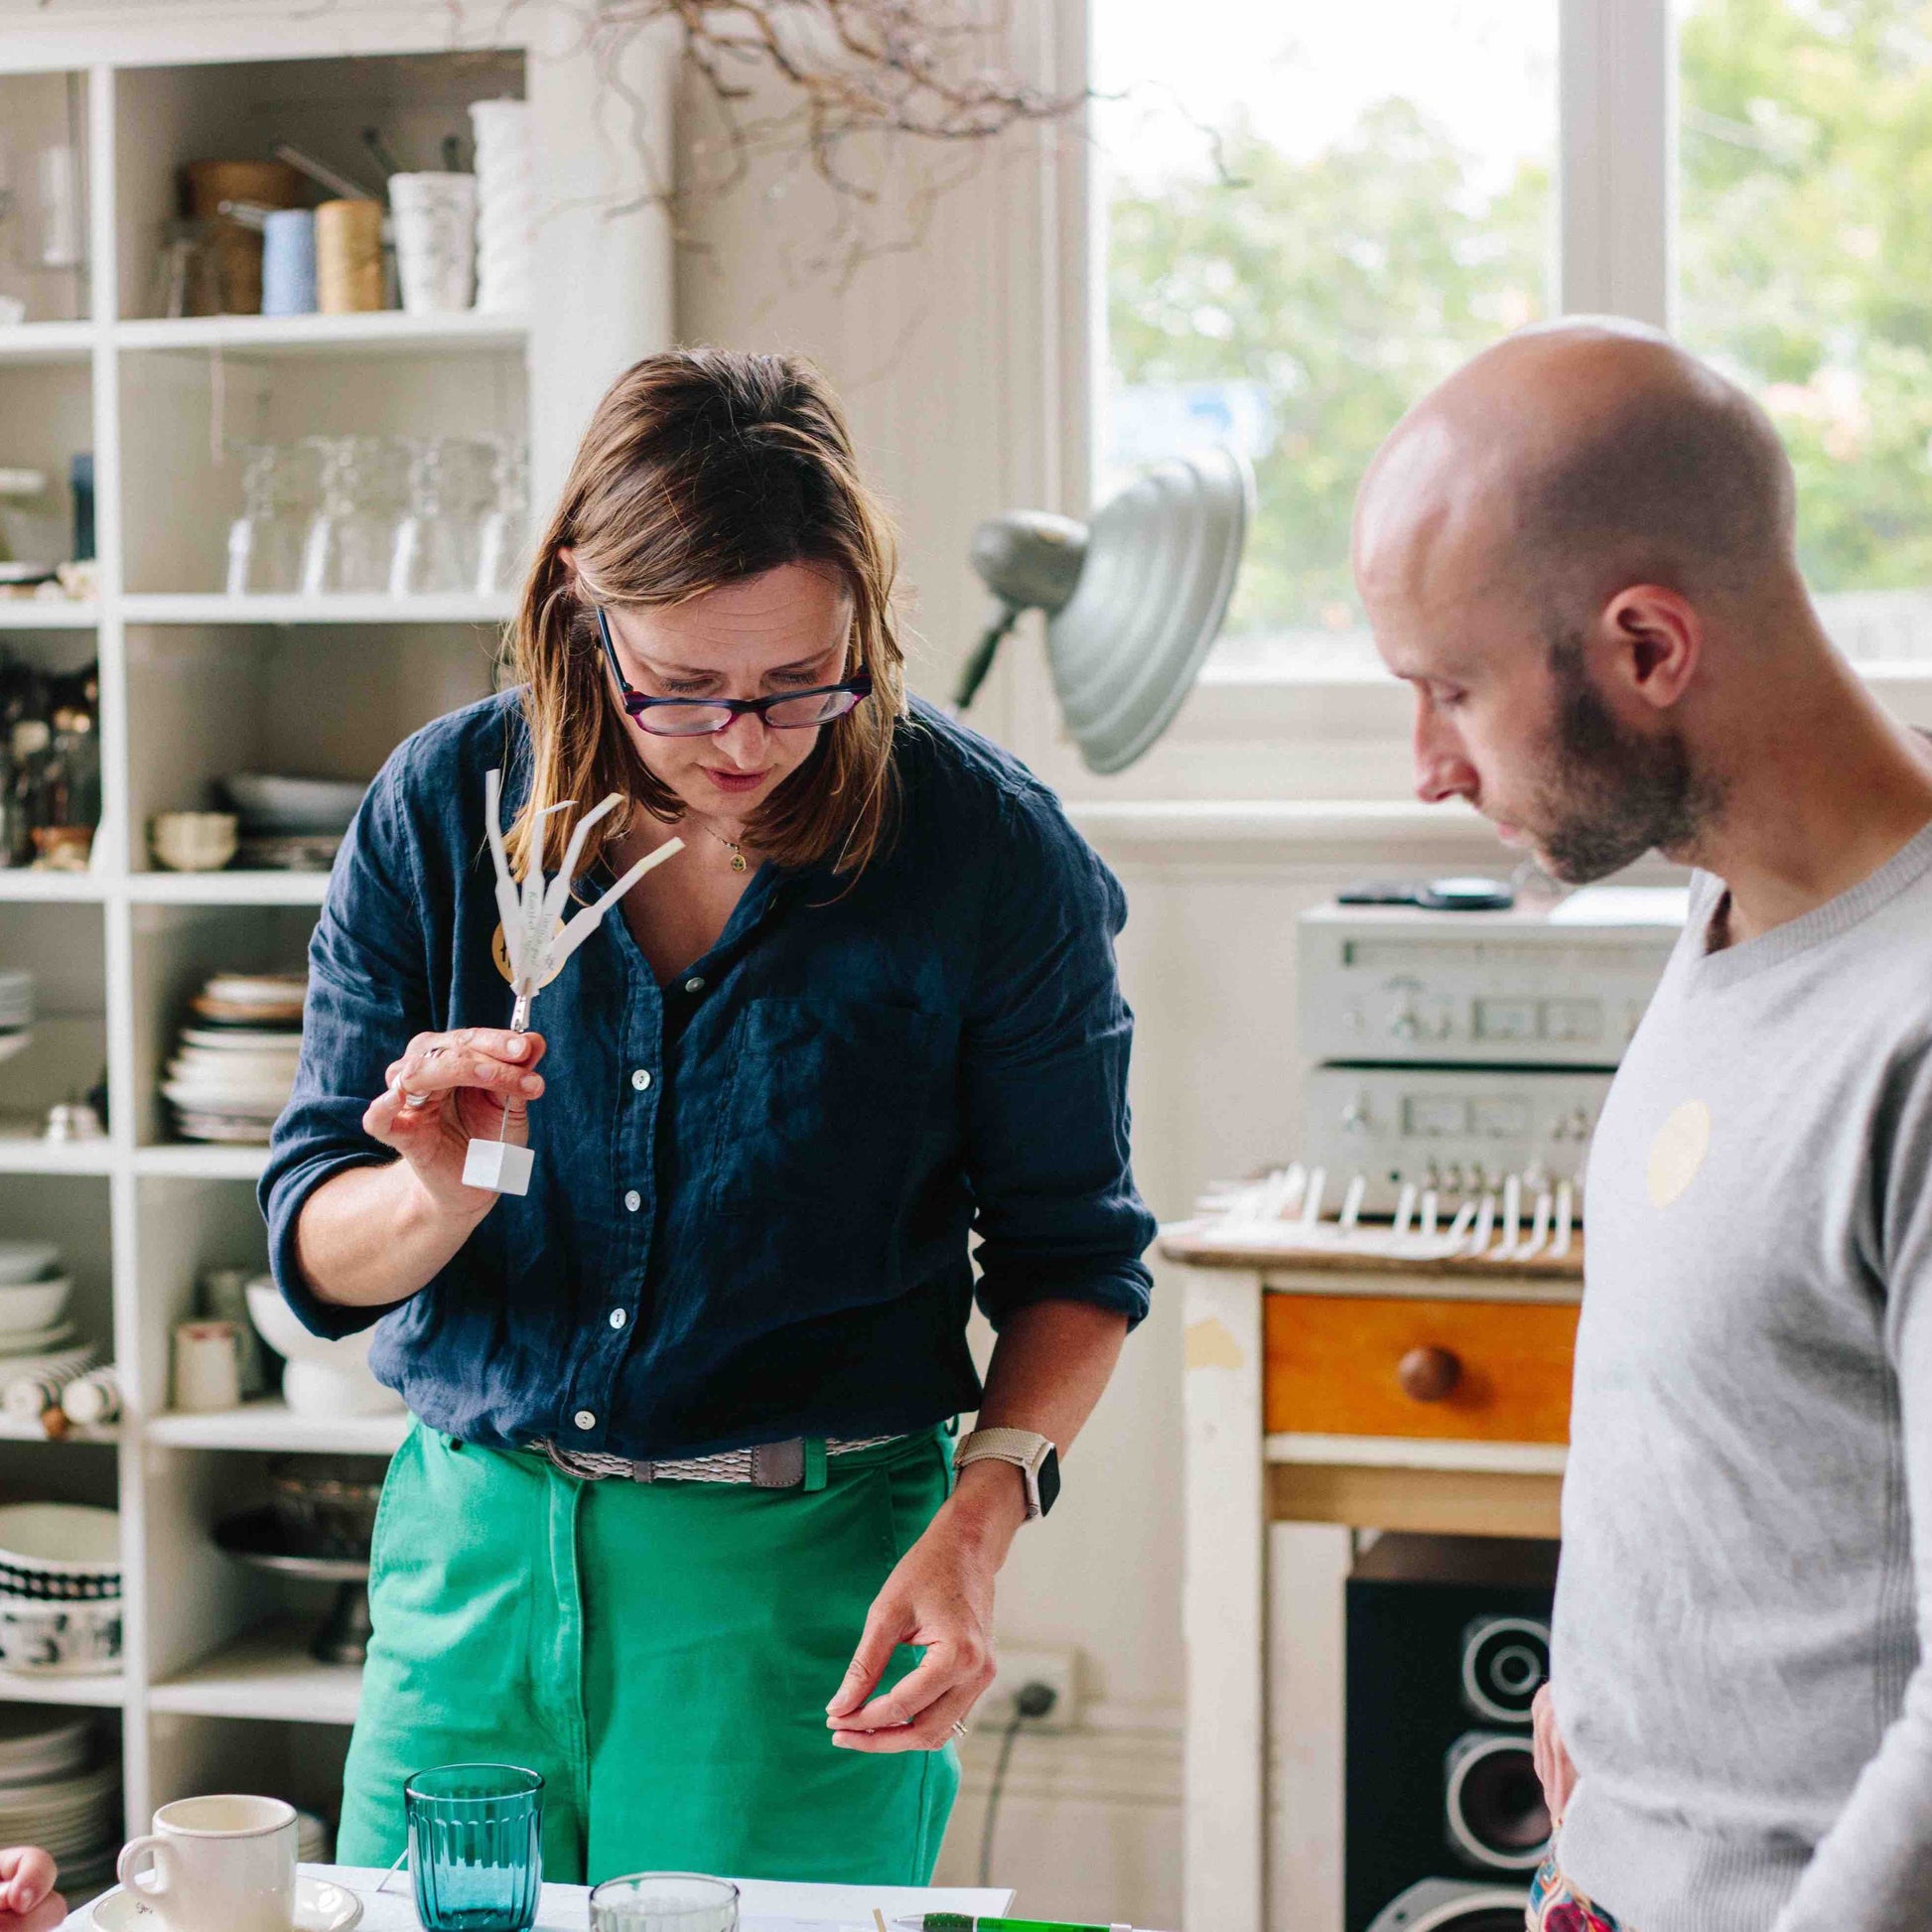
pixel 1739 1616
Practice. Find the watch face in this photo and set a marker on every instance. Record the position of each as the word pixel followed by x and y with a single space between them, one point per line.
pixel 1049 1480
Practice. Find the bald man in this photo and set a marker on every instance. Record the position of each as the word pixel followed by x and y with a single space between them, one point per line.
pixel 1579 552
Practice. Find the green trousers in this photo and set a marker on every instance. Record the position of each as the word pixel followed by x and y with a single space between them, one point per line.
pixel 662 1653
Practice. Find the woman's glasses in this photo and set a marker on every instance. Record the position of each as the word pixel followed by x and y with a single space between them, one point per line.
pixel 704 717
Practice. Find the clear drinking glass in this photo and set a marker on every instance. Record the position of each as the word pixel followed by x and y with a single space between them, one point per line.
pixel 476 1846
pixel 502 548
pixel 352 537
pixel 664 1901
pixel 278 498
pixel 440 532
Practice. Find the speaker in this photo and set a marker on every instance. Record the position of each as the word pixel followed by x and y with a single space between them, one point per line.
pixel 1448 1644
pixel 1450 1905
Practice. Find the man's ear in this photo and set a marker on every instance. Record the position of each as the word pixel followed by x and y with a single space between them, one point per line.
pixel 1649 642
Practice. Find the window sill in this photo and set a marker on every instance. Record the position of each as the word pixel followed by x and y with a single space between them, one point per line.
pixel 1307 829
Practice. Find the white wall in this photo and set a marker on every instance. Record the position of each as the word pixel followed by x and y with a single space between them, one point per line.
pixel 948 357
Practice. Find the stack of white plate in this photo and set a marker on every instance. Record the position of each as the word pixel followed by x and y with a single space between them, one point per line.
pixel 16 1011
pixel 314 1840
pixel 235 1066
pixel 49 1795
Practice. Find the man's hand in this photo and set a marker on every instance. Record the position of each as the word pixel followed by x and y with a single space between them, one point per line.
pixel 28 1900
pixel 1554 1770
pixel 939 1595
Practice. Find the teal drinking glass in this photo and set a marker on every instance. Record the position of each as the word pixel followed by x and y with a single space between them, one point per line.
pixel 664 1901
pixel 476 1846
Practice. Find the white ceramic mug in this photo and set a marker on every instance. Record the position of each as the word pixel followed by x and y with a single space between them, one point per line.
pixel 207 1366
pixel 227 1862
pixel 435 240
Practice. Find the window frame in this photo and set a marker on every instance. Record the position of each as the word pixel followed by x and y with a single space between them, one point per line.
pixel 1344 738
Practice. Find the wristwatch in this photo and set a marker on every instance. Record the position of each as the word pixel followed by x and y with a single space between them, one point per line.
pixel 1036 1460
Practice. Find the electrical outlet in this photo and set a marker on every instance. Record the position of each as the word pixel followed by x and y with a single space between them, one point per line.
pixel 1059 1670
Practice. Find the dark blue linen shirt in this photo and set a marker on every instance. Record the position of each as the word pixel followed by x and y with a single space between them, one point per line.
pixel 754 1185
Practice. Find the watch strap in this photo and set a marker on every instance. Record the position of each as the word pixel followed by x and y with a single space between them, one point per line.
pixel 1026 1450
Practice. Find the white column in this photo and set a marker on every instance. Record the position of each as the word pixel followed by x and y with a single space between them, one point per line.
pixel 602 114
pixel 1223 1597
pixel 1619 165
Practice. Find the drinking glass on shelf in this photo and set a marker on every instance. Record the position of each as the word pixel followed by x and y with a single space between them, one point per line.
pixel 352 536
pixel 438 537
pixel 505 533
pixel 278 497
pixel 664 1901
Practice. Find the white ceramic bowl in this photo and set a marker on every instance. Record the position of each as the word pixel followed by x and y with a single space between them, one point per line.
pixel 26 1306
pixel 271 803
pixel 323 1378
pixel 27 1261
pixel 194 841
pixel 60 1639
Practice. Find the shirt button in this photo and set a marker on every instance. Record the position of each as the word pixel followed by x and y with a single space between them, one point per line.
pixel 617 1317
pixel 694 984
pixel 634 1200
pixel 641 1079
pixel 584 1419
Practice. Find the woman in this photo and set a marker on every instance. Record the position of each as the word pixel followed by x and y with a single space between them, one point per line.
pixel 677 1526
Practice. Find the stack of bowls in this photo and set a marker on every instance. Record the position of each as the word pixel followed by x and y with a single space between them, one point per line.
pixel 15 1011
pixel 292 824
pixel 37 1344
pixel 54 1795
pixel 235 1066
pixel 59 1589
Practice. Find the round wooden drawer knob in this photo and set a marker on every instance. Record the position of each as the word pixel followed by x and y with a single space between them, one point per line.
pixel 1428 1374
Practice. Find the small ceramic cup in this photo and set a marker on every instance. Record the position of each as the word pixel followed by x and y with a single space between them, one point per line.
pixel 194 841
pixel 227 1862
pixel 207 1366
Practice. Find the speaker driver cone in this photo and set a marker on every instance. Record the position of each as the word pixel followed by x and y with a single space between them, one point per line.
pixel 1505 1662
pixel 1453 1905
pixel 1497 1814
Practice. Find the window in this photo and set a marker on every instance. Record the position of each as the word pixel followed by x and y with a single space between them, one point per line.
pixel 1313 213
pixel 1805 273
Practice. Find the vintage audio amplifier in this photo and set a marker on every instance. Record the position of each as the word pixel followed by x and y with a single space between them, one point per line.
pixel 1450 1049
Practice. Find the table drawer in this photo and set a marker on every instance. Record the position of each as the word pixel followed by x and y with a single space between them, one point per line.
pixel 1390 1366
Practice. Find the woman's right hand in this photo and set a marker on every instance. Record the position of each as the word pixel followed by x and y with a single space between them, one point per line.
pixel 449 1089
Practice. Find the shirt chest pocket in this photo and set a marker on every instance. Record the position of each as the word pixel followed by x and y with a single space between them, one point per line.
pixel 820 1119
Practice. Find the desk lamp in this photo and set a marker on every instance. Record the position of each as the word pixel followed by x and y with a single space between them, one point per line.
pixel 1133 599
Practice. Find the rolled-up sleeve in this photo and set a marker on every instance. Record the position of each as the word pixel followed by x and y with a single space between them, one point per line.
pixel 367 997
pixel 1046 1053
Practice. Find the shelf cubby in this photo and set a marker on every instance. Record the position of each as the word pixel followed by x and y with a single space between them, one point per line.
pixel 217 1691
pixel 209 699
pixel 43 111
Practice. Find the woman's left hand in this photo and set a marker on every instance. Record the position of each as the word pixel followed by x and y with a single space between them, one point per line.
pixel 940 1596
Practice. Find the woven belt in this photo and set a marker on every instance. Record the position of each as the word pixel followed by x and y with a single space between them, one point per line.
pixel 770 1465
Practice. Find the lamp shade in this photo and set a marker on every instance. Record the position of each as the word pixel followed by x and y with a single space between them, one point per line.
pixel 1134 601
pixel 1153 587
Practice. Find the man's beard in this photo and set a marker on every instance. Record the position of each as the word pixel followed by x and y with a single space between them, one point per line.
pixel 1608 795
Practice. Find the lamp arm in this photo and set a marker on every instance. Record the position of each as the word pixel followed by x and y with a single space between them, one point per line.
pixel 981 662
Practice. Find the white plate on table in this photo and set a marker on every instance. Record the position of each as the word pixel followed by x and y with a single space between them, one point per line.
pixel 319 1907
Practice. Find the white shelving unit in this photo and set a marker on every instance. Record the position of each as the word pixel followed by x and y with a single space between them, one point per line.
pixel 217 1690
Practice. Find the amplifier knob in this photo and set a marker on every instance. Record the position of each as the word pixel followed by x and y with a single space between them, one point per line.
pixel 1428 1374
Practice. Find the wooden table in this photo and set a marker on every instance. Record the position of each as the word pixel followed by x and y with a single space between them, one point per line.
pixel 1297 1411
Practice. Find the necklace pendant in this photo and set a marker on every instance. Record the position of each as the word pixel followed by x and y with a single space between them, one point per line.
pixel 738 861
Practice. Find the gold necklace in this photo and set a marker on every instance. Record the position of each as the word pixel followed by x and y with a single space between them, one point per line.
pixel 739 861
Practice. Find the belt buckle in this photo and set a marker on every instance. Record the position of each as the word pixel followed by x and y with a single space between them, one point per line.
pixel 779 1465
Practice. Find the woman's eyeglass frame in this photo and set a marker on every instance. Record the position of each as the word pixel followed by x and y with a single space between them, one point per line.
pixel 857 687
